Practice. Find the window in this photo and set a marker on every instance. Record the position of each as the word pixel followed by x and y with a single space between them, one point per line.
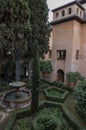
pixel 69 11
pixel 80 13
pixel 50 53
pixel 61 54
pixel 57 15
pixel 63 13
pixel 77 11
pixel 77 54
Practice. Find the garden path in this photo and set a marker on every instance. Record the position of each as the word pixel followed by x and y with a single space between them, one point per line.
pixel 3 118
pixel 69 104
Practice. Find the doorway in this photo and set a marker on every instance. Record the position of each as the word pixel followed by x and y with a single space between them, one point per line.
pixel 60 75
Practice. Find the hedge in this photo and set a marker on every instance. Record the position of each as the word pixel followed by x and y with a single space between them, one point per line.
pixel 69 116
pixel 17 115
pixel 57 84
pixel 61 99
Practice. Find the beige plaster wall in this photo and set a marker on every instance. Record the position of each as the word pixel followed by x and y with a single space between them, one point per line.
pixel 77 35
pixel 83 52
pixel 62 39
pixel 69 36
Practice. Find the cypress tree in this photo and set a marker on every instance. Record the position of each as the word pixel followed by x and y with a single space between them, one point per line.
pixel 39 41
pixel 14 27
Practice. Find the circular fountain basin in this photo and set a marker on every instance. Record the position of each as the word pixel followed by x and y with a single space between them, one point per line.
pixel 20 99
pixel 11 96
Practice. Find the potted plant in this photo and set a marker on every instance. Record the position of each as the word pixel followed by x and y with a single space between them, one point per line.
pixel 45 67
pixel 73 78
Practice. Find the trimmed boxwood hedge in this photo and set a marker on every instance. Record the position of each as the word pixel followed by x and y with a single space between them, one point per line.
pixel 63 94
pixel 17 115
pixel 73 121
pixel 26 112
pixel 43 85
pixel 50 119
pixel 57 84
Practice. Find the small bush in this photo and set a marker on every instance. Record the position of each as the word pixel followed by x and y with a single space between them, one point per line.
pixel 43 85
pixel 22 124
pixel 58 84
pixel 74 77
pixel 80 98
pixel 50 119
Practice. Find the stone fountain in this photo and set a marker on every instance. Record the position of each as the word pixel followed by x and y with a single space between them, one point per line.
pixel 18 97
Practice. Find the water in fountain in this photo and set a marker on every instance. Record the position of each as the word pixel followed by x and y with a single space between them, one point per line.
pixel 19 97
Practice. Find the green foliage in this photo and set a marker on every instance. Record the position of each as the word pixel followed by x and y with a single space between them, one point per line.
pixel 22 124
pixel 45 66
pixel 71 120
pixel 25 64
pixel 80 98
pixel 74 76
pixel 35 83
pixel 14 23
pixel 10 65
pixel 56 94
pixel 38 42
pixel 14 28
pixel 40 26
pixel 43 85
pixel 58 84
pixel 47 81
pixel 10 122
pixel 50 119
pixel 53 92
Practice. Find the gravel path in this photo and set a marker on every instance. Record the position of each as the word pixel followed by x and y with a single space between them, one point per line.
pixel 69 104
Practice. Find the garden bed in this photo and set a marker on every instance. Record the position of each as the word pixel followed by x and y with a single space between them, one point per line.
pixel 56 94
pixel 50 109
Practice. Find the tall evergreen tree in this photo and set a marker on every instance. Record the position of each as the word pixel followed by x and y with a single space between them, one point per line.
pixel 14 27
pixel 39 41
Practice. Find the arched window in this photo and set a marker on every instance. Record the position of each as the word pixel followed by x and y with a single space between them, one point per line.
pixel 80 13
pixel 69 11
pixel 63 13
pixel 57 15
pixel 77 11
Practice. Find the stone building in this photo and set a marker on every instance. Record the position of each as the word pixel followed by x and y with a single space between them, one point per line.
pixel 69 39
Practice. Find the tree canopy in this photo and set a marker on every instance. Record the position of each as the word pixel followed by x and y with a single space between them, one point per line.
pixel 14 23
pixel 80 98
pixel 38 43
pixel 40 26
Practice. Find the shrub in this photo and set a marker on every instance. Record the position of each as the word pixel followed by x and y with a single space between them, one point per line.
pixel 58 84
pixel 80 98
pixel 45 67
pixel 43 85
pixel 74 77
pixel 22 124
pixel 49 119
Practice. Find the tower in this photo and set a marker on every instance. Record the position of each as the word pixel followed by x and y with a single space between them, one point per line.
pixel 69 40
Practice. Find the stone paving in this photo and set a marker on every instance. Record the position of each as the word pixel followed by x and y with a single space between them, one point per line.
pixel 69 104
pixel 3 115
